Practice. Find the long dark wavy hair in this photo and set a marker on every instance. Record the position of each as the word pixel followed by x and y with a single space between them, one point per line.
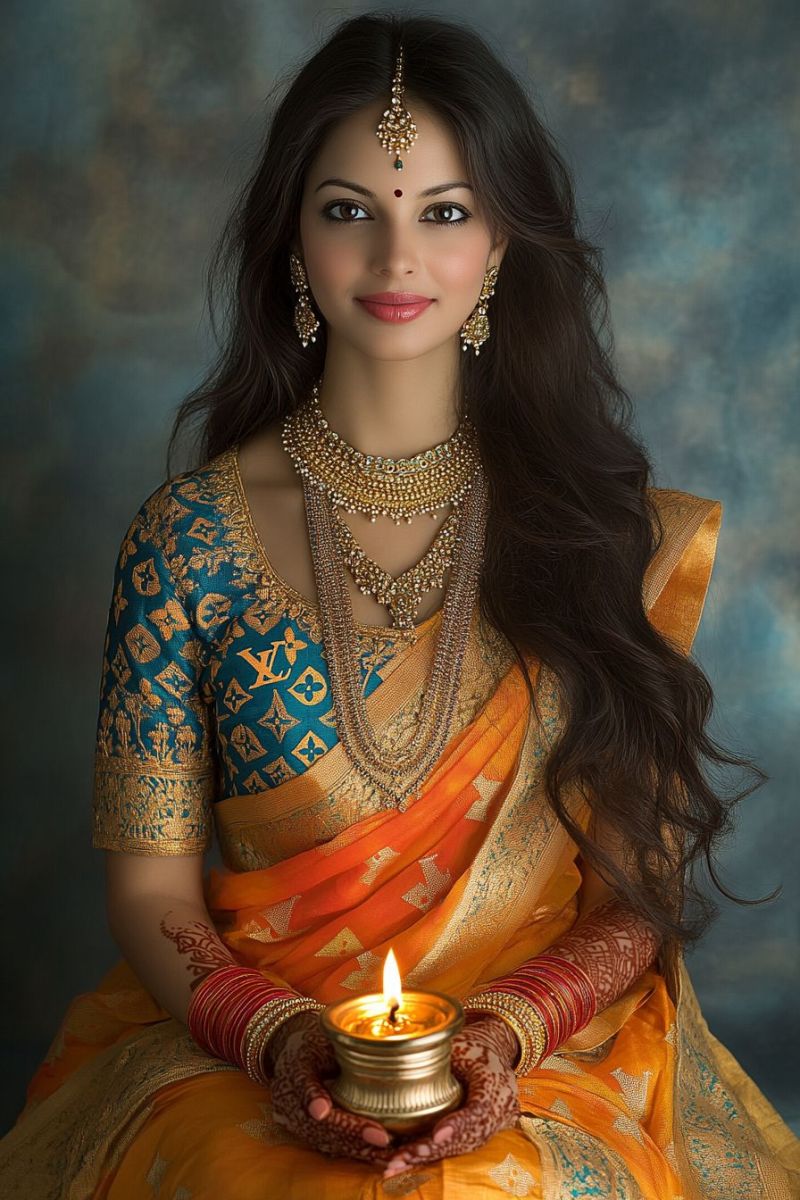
pixel 571 526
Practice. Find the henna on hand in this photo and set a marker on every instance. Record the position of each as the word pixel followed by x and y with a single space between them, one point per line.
pixel 302 1057
pixel 481 1055
pixel 507 1041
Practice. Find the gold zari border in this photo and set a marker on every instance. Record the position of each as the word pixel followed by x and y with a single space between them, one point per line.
pixel 159 814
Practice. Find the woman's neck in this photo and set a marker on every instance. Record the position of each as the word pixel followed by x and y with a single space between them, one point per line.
pixel 396 409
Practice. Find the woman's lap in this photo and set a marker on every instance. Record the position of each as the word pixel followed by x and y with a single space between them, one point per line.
pixel 212 1137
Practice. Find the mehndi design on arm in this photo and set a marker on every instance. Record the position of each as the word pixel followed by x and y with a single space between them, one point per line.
pixel 201 944
pixel 613 944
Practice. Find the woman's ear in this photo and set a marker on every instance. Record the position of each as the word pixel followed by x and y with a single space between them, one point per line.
pixel 499 250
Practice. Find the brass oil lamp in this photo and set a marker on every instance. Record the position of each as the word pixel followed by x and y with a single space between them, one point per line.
pixel 393 1050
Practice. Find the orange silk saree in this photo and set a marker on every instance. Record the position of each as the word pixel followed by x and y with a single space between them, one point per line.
pixel 474 878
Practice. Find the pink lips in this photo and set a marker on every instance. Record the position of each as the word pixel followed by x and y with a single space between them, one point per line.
pixel 394 306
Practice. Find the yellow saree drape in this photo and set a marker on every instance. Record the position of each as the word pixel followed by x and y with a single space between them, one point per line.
pixel 474 878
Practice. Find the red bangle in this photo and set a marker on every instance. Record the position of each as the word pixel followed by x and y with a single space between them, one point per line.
pixel 581 982
pixel 223 1004
pixel 559 990
pixel 563 991
pixel 573 982
pixel 573 1002
pixel 576 980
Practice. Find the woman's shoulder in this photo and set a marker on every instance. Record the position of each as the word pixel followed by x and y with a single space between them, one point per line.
pixel 182 522
pixel 183 503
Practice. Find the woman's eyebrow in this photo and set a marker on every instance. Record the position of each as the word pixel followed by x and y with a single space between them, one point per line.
pixel 355 187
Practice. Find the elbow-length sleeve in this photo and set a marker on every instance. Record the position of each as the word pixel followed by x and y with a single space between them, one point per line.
pixel 154 768
pixel 677 578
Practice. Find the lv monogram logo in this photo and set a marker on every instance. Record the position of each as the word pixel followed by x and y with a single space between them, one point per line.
pixel 262 663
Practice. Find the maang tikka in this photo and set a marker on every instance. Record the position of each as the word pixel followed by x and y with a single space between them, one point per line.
pixel 396 131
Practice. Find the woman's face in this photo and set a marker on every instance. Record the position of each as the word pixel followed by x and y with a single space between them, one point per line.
pixel 374 231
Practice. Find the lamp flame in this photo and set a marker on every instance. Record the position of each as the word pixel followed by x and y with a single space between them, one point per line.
pixel 392 993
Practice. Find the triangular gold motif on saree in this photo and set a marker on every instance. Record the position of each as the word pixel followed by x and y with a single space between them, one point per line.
pixel 423 895
pixel 278 916
pixel 634 1088
pixel 512 1176
pixel 359 979
pixel 487 790
pixel 155 1174
pixel 345 943
pixel 267 1129
pixel 629 1126
pixel 376 862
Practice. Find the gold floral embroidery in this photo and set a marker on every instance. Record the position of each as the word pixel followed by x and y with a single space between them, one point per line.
pixel 154 770
pixel 720 1147
pixel 81 1132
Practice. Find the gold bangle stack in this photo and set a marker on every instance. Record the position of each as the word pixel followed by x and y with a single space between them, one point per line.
pixel 263 1024
pixel 520 1016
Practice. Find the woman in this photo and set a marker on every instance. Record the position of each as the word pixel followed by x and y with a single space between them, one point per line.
pixel 482 751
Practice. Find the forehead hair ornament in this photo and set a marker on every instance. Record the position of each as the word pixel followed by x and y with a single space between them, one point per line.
pixel 396 130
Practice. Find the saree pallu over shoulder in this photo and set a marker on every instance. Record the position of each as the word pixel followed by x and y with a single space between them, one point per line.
pixel 476 876
pixel 677 578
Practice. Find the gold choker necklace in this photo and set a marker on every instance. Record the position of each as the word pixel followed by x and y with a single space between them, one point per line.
pixel 374 484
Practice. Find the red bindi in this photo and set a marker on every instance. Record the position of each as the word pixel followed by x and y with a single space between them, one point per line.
pixel 397 192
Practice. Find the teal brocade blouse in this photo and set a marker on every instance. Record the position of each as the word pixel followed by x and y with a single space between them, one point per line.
pixel 214 677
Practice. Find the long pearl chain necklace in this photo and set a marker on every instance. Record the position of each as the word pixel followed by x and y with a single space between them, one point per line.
pixel 333 473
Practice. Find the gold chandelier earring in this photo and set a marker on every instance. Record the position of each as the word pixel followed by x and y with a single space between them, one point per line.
pixel 305 320
pixel 475 329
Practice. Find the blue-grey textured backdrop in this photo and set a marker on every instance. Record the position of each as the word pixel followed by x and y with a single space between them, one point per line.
pixel 126 127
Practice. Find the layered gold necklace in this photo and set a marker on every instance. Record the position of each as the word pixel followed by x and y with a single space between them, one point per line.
pixel 335 475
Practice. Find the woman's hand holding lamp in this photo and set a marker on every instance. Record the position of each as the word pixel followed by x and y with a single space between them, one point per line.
pixel 393 1050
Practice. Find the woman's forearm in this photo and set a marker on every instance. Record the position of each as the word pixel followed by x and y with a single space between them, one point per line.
pixel 545 1000
pixel 613 944
pixel 172 946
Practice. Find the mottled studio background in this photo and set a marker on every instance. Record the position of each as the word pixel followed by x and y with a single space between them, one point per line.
pixel 127 125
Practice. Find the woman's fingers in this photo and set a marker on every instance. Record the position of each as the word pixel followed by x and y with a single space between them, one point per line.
pixel 319 1108
pixel 302 1103
pixel 376 1137
pixel 339 1128
pixel 350 1125
pixel 468 1127
pixel 319 1105
pixel 317 1101
pixel 458 1132
pixel 337 1132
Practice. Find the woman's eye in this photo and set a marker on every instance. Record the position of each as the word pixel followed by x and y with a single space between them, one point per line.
pixel 326 212
pixel 351 204
pixel 451 208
